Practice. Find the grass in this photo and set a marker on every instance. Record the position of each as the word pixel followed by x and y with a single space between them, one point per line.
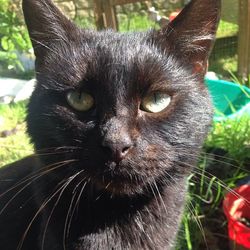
pixel 224 161
pixel 17 145
pixel 223 65
pixel 233 136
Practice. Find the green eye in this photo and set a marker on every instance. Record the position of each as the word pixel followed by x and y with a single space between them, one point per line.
pixel 80 101
pixel 155 102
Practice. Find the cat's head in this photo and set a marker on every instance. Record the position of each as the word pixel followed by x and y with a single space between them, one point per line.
pixel 131 109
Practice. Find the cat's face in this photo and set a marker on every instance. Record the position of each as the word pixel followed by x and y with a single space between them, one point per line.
pixel 131 109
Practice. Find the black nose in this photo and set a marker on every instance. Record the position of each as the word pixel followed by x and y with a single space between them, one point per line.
pixel 116 140
pixel 117 147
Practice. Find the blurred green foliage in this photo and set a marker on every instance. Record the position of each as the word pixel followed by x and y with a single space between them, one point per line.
pixel 13 37
pixel 226 29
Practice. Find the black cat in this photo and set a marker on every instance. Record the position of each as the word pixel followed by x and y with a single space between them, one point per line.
pixel 118 121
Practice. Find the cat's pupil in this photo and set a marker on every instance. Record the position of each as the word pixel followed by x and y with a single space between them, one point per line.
pixel 80 101
pixel 155 102
pixel 155 98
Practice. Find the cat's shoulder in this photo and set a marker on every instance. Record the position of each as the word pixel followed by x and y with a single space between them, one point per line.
pixel 17 205
pixel 16 171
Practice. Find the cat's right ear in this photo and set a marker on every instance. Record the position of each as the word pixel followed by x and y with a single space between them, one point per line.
pixel 46 25
pixel 191 35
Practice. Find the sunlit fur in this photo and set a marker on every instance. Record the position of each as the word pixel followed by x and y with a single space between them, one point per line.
pixel 75 196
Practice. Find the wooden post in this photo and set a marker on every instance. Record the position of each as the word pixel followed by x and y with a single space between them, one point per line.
pixel 244 39
pixel 99 18
pixel 105 12
pixel 110 15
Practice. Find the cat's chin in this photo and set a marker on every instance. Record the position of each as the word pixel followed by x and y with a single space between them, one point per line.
pixel 118 186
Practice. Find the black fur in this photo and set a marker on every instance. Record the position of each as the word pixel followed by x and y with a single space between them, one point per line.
pixel 74 194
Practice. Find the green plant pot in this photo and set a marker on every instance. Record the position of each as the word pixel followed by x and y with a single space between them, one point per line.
pixel 230 100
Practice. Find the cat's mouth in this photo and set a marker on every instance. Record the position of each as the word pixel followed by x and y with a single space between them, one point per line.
pixel 117 187
pixel 117 182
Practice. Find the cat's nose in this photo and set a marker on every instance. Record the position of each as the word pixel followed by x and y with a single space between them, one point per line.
pixel 117 149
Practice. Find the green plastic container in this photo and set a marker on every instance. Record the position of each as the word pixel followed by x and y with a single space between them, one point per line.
pixel 230 100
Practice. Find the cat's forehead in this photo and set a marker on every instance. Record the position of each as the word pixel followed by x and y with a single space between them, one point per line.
pixel 126 58
pixel 105 59
pixel 107 55
pixel 112 59
pixel 101 49
pixel 122 47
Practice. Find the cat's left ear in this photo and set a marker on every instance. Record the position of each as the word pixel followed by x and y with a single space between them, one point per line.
pixel 191 34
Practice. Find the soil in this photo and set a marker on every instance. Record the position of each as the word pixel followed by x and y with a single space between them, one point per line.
pixel 7 133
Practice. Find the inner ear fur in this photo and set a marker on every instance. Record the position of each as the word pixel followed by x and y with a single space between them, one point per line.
pixel 192 33
pixel 46 25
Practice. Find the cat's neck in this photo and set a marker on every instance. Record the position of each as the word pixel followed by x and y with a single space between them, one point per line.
pixel 122 223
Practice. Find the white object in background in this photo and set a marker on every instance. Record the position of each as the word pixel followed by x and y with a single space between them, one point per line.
pixel 211 75
pixel 154 14
pixel 26 91
pixel 15 89
pixel 27 60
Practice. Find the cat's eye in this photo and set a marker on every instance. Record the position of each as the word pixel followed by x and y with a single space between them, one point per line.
pixel 80 101
pixel 155 102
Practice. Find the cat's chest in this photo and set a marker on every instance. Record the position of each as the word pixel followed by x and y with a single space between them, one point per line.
pixel 95 225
